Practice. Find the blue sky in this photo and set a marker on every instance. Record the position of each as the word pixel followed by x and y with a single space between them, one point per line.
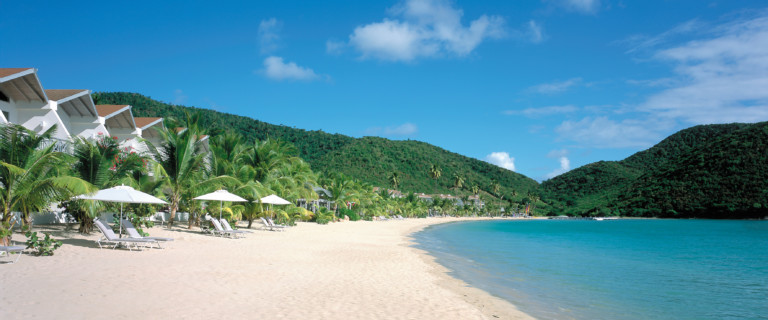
pixel 539 87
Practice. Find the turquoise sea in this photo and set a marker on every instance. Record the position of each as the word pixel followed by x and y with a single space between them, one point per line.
pixel 613 269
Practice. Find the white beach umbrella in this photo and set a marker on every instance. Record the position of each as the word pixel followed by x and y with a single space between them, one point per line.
pixel 221 196
pixel 122 194
pixel 273 199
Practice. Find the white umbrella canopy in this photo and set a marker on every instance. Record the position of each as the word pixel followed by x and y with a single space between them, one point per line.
pixel 221 196
pixel 122 194
pixel 273 199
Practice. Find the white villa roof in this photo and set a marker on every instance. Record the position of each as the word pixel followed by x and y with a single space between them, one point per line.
pixel 148 126
pixel 75 102
pixel 116 116
pixel 22 84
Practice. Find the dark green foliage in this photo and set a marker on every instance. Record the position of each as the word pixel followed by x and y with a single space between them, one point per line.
pixel 369 159
pixel 323 216
pixel 353 216
pixel 42 247
pixel 712 171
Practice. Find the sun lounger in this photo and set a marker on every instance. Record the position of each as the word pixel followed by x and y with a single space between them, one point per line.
pixel 399 217
pixel 266 225
pixel 133 233
pixel 218 229
pixel 227 227
pixel 110 237
pixel 7 250
pixel 382 218
pixel 277 226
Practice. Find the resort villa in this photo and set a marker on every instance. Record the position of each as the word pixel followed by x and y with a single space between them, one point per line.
pixel 23 101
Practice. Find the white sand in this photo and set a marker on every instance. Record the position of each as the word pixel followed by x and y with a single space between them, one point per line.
pixel 348 270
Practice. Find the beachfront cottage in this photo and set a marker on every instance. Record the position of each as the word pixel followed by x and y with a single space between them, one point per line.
pixel 23 101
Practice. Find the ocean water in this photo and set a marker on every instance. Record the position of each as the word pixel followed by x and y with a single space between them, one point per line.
pixel 613 269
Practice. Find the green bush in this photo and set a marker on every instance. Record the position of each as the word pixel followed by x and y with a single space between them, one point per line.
pixel 42 247
pixel 324 216
pixel 353 216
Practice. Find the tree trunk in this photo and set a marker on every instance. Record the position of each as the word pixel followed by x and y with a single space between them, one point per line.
pixel 250 221
pixel 86 225
pixel 172 215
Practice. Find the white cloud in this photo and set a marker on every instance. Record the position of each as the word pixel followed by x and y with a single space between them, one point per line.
pixel 501 159
pixel 557 153
pixel 535 32
pixel 269 35
pixel 423 28
pixel 602 132
pixel 543 111
pixel 565 165
pixel 403 130
pixel 334 47
pixel 720 79
pixel 581 6
pixel 556 87
pixel 643 42
pixel 276 69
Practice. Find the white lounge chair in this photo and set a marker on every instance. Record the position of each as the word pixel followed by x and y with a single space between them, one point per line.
pixel 266 225
pixel 133 233
pixel 227 227
pixel 275 225
pixel 110 237
pixel 7 250
pixel 218 229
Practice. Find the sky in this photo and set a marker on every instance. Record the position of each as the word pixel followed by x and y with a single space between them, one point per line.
pixel 539 87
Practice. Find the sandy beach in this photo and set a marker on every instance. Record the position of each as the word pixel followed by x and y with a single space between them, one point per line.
pixel 347 270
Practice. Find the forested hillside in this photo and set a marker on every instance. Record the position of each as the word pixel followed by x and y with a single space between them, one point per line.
pixel 704 171
pixel 369 159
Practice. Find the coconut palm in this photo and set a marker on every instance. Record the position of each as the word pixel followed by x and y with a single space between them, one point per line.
pixel 103 164
pixel 495 187
pixel 435 171
pixel 394 179
pixel 183 159
pixel 475 189
pixel 32 174
pixel 458 181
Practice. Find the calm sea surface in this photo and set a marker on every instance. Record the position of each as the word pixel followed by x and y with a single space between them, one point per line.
pixel 618 269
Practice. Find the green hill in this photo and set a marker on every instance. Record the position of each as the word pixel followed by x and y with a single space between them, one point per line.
pixel 369 159
pixel 714 171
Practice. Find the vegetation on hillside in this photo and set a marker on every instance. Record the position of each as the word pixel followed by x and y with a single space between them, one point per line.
pixel 713 171
pixel 371 160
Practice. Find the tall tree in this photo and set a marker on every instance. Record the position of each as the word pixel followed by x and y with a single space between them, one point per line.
pixel 31 173
pixel 458 181
pixel 435 171
pixel 104 164
pixel 182 157
pixel 394 179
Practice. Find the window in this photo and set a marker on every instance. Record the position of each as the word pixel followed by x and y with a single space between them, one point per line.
pixel 7 116
pixel 4 97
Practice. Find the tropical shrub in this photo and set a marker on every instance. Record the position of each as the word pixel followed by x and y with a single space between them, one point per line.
pixel 42 247
pixel 323 216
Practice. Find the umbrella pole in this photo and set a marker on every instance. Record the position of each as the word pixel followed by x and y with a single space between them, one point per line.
pixel 221 204
pixel 121 219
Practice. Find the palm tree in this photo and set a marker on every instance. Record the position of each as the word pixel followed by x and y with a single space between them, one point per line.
pixel 475 189
pixel 435 171
pixel 182 159
pixel 31 174
pixel 394 179
pixel 458 181
pixel 534 198
pixel 103 164
pixel 495 187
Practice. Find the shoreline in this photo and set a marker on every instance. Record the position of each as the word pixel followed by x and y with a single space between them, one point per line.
pixel 491 306
pixel 361 270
